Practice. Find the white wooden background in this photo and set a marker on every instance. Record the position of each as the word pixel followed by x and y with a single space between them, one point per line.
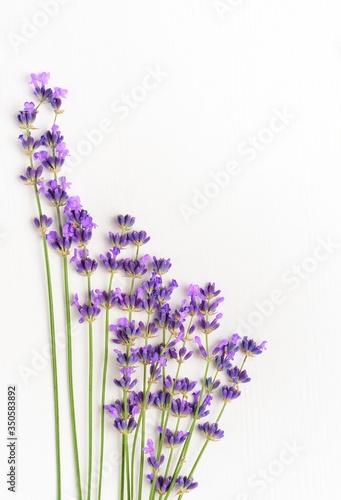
pixel 248 88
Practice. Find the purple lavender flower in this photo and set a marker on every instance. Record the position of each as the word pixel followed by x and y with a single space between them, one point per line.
pixel 161 266
pixel 52 137
pixel 250 348
pixel 39 80
pixel 140 399
pixel 125 383
pixel 208 327
pixel 105 299
pixel 59 93
pixel 181 408
pixel 84 265
pixel 53 163
pixel 154 463
pixel 183 355
pixel 203 352
pixel 208 292
pixel 27 116
pixel 29 144
pixel 126 332
pixel 88 312
pixel 118 240
pixel 186 484
pixel 211 431
pixel 229 393
pixel 203 410
pixel 173 439
pixel 162 400
pixel 211 385
pixel 55 193
pixel 60 243
pixel 236 376
pixel 110 262
pixel 135 268
pixel 138 238
pixel 130 302
pixel 162 484
pixel 125 222
pixel 209 308
pixel 125 426
pixel 43 223
pixel 33 176
pixel 147 354
pixel 73 203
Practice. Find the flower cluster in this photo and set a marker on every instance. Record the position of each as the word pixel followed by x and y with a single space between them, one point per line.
pixel 159 340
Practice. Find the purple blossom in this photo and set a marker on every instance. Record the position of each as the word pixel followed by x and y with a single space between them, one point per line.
pixel 162 400
pixel 88 312
pixel 29 144
pixel 125 383
pixel 211 431
pixel 208 327
pixel 110 262
pixel 208 292
pixel 135 268
pixel 85 266
pixel 186 484
pixel 55 193
pixel 211 385
pixel 130 302
pixel 202 349
pixel 39 80
pixel 105 299
pixel 33 176
pixel 73 203
pixel 60 243
pixel 236 376
pixel 52 137
pixel 125 222
pixel 140 399
pixel 162 484
pixel 229 393
pixel 138 238
pixel 59 93
pixel 126 332
pixel 161 266
pixel 42 223
pixel 125 426
pixel 27 116
pixel 118 240
pixel 181 408
pixel 173 439
pixel 250 348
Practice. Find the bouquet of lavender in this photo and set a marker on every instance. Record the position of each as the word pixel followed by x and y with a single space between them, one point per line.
pixel 174 374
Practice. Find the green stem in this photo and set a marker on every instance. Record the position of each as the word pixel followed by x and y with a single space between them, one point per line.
pixel 69 358
pixel 90 402
pixel 104 380
pixel 188 440
pixel 53 352
pixel 123 450
pixel 70 375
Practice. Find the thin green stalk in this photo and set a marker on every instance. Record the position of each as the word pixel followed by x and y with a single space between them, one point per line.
pixel 70 376
pixel 123 450
pixel 188 440
pixel 69 358
pixel 104 380
pixel 53 352
pixel 90 402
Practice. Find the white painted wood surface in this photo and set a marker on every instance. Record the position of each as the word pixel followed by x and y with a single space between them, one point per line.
pixel 264 69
